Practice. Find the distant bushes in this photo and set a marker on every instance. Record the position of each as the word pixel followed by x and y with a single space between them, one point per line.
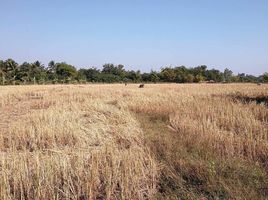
pixel 36 73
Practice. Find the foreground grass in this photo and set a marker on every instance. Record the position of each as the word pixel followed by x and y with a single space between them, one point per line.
pixel 71 148
pixel 168 141
pixel 186 172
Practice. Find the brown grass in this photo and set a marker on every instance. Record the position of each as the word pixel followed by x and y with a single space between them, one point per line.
pixel 165 141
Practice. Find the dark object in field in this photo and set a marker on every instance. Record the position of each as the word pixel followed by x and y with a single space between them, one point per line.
pixel 141 86
pixel 258 83
pixel 261 99
pixel 125 84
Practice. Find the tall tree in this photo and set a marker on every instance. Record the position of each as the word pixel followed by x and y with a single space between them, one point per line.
pixel 51 71
pixel 182 74
pixel 37 72
pixel 264 77
pixel 118 70
pixel 2 72
pixel 9 69
pixel 227 74
pixel 134 76
pixel 168 74
pixel 24 72
pixel 214 75
pixel 154 77
pixel 65 72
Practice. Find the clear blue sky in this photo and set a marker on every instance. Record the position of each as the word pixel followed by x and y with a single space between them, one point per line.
pixel 141 34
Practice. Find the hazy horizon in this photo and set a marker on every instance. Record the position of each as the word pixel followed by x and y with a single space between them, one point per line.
pixel 142 35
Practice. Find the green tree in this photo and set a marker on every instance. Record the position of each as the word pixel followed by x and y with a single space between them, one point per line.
pixel 114 70
pixel 51 71
pixel 198 78
pixel 92 74
pixel 9 71
pixel 145 77
pixel 227 74
pixel 199 70
pixel 181 74
pixel 37 72
pixel 81 75
pixel 154 77
pixel 65 72
pixel 24 72
pixel 134 76
pixel 190 78
pixel 2 72
pixel 214 75
pixel 264 77
pixel 168 74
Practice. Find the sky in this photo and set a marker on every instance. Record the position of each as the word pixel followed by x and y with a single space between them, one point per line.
pixel 141 34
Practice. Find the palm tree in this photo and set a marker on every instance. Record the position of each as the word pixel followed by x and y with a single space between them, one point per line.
pixel 1 71
pixel 51 66
pixel 3 75
pixel 9 69
pixel 37 71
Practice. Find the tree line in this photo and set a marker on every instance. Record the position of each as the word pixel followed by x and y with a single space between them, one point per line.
pixel 36 73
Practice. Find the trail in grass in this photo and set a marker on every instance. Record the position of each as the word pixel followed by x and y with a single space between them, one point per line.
pixel 187 172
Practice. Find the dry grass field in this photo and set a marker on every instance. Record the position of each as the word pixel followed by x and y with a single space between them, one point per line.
pixel 111 141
